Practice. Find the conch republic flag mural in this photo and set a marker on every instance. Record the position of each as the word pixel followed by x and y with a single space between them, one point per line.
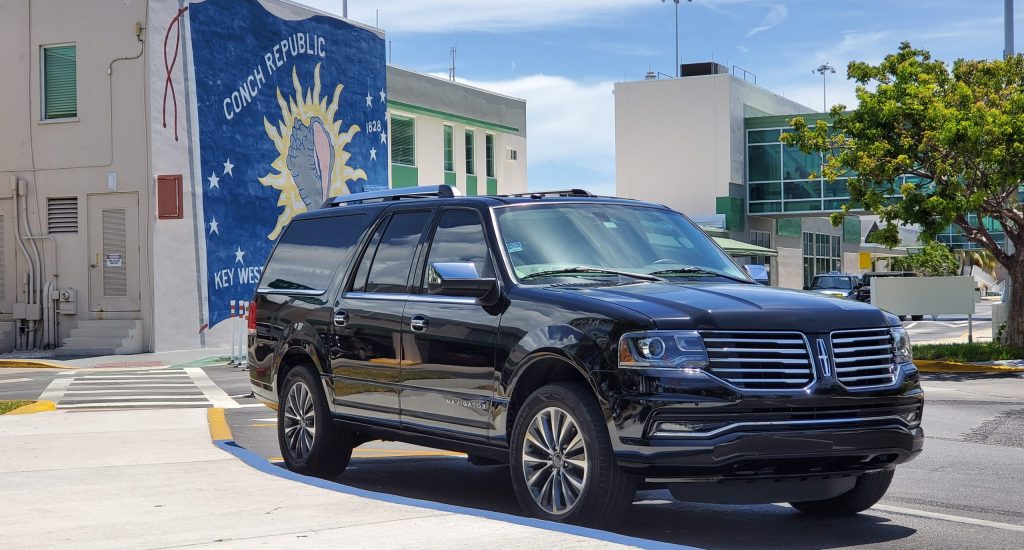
pixel 290 113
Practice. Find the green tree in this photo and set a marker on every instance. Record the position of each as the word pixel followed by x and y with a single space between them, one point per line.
pixel 934 260
pixel 957 132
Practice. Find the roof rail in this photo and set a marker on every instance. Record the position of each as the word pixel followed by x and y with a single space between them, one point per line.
pixel 429 191
pixel 561 193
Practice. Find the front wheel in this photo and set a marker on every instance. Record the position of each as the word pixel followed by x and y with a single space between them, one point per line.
pixel 870 488
pixel 562 464
pixel 310 442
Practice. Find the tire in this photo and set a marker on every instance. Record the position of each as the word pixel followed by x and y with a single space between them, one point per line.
pixel 917 317
pixel 869 489
pixel 590 488
pixel 314 445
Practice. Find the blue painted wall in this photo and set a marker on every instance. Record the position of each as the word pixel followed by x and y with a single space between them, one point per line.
pixel 290 113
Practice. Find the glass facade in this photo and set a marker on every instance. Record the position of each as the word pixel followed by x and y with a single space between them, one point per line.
pixel 779 178
pixel 822 254
pixel 954 238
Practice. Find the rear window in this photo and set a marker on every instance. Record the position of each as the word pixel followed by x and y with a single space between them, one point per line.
pixel 310 252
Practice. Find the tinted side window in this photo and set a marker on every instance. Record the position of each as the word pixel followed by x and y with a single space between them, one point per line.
pixel 311 250
pixel 393 260
pixel 359 283
pixel 460 238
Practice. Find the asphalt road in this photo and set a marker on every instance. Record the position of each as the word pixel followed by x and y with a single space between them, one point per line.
pixel 965 491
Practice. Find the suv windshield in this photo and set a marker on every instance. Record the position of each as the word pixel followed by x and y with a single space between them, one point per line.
pixel 559 238
pixel 832 281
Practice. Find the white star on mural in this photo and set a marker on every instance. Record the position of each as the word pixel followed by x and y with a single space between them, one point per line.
pixel 369 100
pixel 228 167
pixel 373 153
pixel 382 95
pixel 239 256
pixel 213 227
pixel 384 137
pixel 214 180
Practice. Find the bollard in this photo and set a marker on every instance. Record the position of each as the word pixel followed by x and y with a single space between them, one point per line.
pixel 234 329
pixel 243 348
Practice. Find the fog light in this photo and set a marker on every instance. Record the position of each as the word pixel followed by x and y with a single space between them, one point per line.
pixel 686 428
pixel 913 418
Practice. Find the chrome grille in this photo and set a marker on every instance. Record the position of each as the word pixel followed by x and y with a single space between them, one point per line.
pixel 864 358
pixel 759 360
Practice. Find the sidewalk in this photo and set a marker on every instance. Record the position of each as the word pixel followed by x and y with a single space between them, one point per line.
pixel 191 357
pixel 152 478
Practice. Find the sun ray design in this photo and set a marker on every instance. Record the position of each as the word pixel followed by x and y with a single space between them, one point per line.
pixel 312 163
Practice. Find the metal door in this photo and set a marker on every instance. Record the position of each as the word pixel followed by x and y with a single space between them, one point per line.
pixel 114 252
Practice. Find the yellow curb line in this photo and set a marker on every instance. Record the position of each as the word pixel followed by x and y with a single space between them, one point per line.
pixel 36 407
pixel 926 365
pixel 219 429
pixel 32 364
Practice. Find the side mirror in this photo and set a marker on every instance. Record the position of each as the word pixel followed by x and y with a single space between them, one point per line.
pixel 459 279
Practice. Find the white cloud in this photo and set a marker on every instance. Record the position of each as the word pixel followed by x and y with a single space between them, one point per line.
pixel 568 122
pixel 413 16
pixel 775 16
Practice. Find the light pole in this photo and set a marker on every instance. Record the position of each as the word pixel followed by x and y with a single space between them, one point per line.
pixel 822 69
pixel 677 35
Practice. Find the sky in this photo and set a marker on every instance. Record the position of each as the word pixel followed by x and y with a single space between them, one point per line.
pixel 564 56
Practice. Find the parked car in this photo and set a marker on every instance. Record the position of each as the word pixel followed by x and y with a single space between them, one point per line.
pixel 591 343
pixel 864 292
pixel 837 285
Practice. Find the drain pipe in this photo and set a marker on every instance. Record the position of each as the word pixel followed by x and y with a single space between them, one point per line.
pixel 21 246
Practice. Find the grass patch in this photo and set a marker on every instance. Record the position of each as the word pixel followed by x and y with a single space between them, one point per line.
pixel 967 353
pixel 8 406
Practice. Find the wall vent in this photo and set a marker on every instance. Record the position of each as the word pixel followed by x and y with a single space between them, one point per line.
pixel 62 215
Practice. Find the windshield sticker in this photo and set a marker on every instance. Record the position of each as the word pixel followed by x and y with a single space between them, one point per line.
pixel 514 247
pixel 610 225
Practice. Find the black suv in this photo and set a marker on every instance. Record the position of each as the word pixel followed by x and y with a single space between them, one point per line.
pixel 591 343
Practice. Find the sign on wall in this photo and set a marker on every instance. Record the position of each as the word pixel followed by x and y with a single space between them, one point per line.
pixel 290 113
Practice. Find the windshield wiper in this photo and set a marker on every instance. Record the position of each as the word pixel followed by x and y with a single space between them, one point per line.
pixel 694 270
pixel 587 269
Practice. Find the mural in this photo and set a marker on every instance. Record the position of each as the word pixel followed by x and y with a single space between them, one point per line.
pixel 290 112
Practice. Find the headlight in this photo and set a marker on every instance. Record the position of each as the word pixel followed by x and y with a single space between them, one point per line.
pixel 901 340
pixel 679 349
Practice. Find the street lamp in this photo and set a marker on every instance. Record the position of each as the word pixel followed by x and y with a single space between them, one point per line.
pixel 822 69
pixel 677 35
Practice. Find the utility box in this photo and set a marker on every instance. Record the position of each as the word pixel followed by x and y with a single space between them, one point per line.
pixel 67 301
pixel 28 312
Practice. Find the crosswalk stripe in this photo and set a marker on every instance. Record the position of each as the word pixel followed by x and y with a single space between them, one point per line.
pixel 152 388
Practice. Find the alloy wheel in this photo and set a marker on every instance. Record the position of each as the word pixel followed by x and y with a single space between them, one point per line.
pixel 555 461
pixel 299 420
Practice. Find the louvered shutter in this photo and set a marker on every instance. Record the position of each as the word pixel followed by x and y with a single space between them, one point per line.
pixel 60 82
pixel 403 141
pixel 115 257
pixel 62 215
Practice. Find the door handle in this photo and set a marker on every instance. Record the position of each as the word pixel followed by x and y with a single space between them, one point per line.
pixel 419 323
pixel 340 318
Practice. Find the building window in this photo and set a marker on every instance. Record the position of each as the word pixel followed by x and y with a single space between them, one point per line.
pixel 470 165
pixel 449 149
pixel 403 140
pixel 760 238
pixel 489 152
pixel 60 81
pixel 822 254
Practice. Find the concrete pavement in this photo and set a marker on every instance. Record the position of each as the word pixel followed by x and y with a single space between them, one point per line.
pixel 153 479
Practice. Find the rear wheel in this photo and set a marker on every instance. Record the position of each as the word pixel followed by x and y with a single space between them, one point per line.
pixel 870 488
pixel 310 442
pixel 562 464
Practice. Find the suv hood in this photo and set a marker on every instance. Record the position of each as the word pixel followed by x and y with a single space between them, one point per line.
pixel 711 306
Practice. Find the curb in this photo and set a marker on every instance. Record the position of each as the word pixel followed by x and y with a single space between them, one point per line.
pixel 32 364
pixel 36 407
pixel 926 365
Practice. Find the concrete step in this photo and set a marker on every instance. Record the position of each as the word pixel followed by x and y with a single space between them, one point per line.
pixel 100 332
pixel 95 323
pixel 111 342
pixel 85 351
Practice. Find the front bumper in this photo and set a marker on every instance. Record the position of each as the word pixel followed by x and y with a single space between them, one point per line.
pixel 710 432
